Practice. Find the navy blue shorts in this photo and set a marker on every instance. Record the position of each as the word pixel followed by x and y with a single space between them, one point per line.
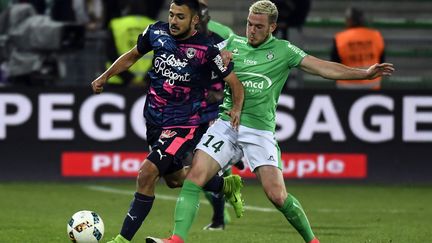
pixel 179 142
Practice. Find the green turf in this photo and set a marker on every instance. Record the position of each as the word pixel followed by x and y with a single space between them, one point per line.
pixel 38 212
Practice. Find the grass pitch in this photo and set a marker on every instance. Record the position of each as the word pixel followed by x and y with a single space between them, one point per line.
pixel 39 212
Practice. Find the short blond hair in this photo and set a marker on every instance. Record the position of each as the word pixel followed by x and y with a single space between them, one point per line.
pixel 265 7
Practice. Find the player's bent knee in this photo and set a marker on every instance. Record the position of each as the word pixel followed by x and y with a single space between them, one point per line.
pixel 278 201
pixel 277 197
pixel 175 179
pixel 174 184
pixel 203 168
pixel 198 175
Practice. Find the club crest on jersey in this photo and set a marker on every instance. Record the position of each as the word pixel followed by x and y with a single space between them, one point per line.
pixel 190 52
pixel 270 55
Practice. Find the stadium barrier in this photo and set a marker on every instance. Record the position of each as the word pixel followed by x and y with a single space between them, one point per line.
pixel 330 135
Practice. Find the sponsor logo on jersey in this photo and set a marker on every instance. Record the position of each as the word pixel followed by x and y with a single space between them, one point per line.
pixel 160 154
pixel 240 41
pixel 221 45
pixel 219 63
pixel 235 51
pixel 296 50
pixel 162 66
pixel 162 42
pixel 255 85
pixel 159 32
pixel 250 62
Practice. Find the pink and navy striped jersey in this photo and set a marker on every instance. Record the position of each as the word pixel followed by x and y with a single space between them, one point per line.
pixel 179 77
pixel 211 109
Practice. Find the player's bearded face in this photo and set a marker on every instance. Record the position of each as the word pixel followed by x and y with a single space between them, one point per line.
pixel 181 21
pixel 258 29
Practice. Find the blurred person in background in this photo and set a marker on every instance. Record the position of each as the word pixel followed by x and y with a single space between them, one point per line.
pixel 217 34
pixel 212 26
pixel 155 7
pixel 358 46
pixel 86 63
pixel 39 5
pixel 4 4
pixel 262 63
pixel 117 8
pixel 86 12
pixel 123 32
pixel 179 79
pixel 112 9
pixel 292 14
pixel 31 44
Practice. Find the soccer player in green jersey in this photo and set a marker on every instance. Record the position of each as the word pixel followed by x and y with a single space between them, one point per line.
pixel 263 64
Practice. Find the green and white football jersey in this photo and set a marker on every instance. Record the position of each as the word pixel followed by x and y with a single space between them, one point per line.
pixel 263 72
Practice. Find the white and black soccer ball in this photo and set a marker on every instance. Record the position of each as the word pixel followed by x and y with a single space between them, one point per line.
pixel 85 227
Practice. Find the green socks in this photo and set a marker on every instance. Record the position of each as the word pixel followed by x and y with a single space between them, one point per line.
pixel 188 204
pixel 186 208
pixel 293 212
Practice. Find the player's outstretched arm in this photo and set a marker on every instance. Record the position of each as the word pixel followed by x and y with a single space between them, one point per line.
pixel 333 70
pixel 123 63
pixel 237 93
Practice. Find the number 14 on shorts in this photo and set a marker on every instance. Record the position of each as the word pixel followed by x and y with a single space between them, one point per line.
pixel 214 144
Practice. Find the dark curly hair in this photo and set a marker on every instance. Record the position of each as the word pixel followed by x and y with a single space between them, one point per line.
pixel 192 4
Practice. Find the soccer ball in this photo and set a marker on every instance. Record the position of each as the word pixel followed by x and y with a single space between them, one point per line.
pixel 85 227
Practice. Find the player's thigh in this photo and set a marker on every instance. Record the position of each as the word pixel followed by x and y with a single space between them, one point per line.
pixel 203 168
pixel 220 143
pixel 260 148
pixel 271 178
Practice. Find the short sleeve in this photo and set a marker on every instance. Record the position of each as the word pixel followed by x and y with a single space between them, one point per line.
pixel 294 55
pixel 143 42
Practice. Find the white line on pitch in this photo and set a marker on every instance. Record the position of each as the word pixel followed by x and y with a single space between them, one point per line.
pixel 251 208
pixel 170 198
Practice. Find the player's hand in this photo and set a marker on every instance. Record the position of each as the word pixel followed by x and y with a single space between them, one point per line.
pixel 378 70
pixel 97 85
pixel 226 57
pixel 235 118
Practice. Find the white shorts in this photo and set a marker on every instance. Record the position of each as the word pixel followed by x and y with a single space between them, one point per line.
pixel 225 145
